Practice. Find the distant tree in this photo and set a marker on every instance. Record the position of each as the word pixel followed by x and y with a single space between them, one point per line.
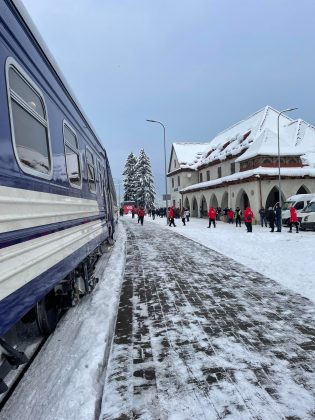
pixel 130 180
pixel 145 183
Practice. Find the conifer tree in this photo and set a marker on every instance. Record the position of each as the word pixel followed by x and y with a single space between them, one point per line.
pixel 130 180
pixel 145 183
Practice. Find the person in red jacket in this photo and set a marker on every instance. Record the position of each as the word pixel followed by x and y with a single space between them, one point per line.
pixel 212 215
pixel 141 215
pixel 293 219
pixel 230 215
pixel 248 218
pixel 171 216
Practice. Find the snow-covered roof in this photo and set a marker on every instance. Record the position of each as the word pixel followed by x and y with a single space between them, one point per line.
pixel 285 172
pixel 257 135
pixel 189 154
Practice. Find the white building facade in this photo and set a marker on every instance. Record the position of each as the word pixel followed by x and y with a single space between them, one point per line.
pixel 239 167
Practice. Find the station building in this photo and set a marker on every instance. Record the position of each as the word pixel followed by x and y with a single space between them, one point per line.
pixel 239 167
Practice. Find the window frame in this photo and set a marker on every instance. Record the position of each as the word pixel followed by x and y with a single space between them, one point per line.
pixel 87 168
pixel 11 63
pixel 100 171
pixel 65 143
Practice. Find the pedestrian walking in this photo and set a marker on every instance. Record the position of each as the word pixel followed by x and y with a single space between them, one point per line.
pixel 171 216
pixel 271 218
pixel 238 217
pixel 153 214
pixel 293 219
pixel 230 215
pixel 212 216
pixel 133 212
pixel 141 215
pixel 263 218
pixel 248 218
pixel 187 214
pixel 183 217
pixel 278 217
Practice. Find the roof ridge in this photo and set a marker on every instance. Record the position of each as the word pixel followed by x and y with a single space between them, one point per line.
pixel 239 122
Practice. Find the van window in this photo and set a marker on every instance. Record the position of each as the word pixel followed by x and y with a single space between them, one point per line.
pixel 29 124
pixel 299 205
pixel 287 204
pixel 72 156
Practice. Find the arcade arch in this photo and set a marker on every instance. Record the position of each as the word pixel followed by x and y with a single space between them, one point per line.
pixel 194 211
pixel 242 200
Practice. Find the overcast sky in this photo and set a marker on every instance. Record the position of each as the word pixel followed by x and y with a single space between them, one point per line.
pixel 198 66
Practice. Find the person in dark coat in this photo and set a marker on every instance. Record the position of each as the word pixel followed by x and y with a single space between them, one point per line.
pixel 238 217
pixel 271 218
pixel 293 219
pixel 183 217
pixel 248 218
pixel 263 219
pixel 278 217
pixel 212 215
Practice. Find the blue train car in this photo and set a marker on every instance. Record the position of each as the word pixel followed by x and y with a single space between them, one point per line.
pixel 56 189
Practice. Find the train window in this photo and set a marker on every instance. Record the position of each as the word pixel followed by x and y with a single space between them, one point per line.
pixel 90 170
pixel 72 156
pixel 29 123
pixel 100 175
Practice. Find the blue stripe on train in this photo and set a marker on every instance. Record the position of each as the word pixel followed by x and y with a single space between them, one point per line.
pixel 14 306
pixel 22 235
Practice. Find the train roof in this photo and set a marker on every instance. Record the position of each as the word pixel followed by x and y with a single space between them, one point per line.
pixel 42 45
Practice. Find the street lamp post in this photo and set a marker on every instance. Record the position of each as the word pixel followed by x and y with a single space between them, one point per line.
pixel 118 182
pixel 166 201
pixel 279 162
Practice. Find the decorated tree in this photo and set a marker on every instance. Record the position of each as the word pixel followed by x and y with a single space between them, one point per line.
pixel 145 184
pixel 130 178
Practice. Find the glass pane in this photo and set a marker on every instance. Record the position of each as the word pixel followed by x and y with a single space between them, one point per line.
pixel 91 178
pixel 73 166
pixel 70 137
pixel 89 157
pixel 18 84
pixel 31 140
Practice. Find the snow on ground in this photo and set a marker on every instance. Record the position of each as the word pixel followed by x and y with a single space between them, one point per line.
pixel 66 379
pixel 284 257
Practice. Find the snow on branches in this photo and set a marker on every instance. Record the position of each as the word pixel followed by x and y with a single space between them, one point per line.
pixel 138 182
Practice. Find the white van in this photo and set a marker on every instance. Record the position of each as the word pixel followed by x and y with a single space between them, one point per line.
pixel 308 217
pixel 299 201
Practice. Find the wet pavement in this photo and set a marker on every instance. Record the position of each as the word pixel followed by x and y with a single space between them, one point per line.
pixel 200 336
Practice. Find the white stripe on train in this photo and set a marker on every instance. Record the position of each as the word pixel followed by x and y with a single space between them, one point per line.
pixel 21 263
pixel 21 209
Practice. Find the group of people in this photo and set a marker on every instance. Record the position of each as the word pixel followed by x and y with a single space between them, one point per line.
pixel 271 216
pixel 184 215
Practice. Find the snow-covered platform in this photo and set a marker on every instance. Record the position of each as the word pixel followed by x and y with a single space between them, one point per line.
pixel 201 336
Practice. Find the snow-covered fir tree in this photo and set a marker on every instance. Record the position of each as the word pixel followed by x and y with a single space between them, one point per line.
pixel 130 180
pixel 145 183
